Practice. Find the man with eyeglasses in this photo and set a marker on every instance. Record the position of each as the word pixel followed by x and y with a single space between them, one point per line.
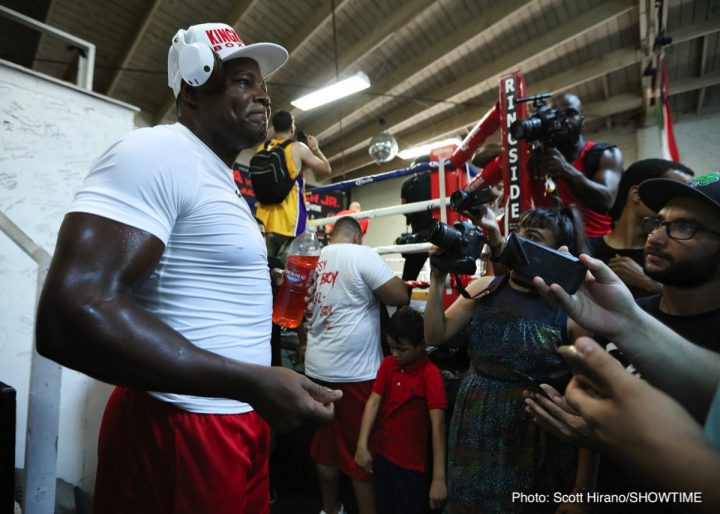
pixel 682 252
pixel 623 248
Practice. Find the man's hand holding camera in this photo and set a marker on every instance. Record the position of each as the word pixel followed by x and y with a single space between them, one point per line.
pixel 487 219
pixel 549 161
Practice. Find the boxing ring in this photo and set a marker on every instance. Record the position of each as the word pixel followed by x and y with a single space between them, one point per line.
pixel 449 171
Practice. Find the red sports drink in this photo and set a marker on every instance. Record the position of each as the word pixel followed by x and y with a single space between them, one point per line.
pixel 289 301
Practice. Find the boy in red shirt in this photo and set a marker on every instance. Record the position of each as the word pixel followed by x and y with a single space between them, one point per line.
pixel 409 395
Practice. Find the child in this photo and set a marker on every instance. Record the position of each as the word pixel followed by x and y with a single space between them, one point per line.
pixel 409 394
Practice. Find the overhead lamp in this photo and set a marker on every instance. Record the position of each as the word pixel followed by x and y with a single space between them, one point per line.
pixel 417 151
pixel 333 92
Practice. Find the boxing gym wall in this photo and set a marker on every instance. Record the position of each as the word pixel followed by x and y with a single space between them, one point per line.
pixel 50 134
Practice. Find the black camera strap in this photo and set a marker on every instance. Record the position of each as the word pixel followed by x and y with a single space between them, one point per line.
pixel 460 288
pixel 492 286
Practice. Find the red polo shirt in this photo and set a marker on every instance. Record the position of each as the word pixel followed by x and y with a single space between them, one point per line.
pixel 402 427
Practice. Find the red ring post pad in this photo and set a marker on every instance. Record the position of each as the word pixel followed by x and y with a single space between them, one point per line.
pixel 517 190
pixel 484 128
pixel 490 175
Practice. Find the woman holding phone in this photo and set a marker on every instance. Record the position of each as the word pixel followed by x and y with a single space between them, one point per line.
pixel 494 449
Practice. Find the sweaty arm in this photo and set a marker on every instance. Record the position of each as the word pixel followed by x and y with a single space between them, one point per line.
pixel 598 191
pixel 88 320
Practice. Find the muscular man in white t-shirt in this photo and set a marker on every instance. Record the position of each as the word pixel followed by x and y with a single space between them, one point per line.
pixel 343 351
pixel 160 285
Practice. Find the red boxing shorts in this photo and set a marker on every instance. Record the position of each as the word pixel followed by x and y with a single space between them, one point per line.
pixel 335 444
pixel 154 458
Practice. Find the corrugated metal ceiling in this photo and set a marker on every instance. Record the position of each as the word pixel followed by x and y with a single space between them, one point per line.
pixel 434 65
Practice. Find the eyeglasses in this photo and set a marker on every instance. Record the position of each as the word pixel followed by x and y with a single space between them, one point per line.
pixel 681 230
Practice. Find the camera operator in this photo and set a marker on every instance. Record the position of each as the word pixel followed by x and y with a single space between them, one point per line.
pixel 586 173
pixel 415 188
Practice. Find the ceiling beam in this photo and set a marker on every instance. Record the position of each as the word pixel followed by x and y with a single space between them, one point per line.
pixel 241 7
pixel 694 83
pixel 696 30
pixel 433 57
pixel 606 94
pixel 561 82
pixel 365 46
pixel 137 40
pixel 647 22
pixel 489 74
pixel 681 35
pixel 233 19
pixel 618 104
pixel 701 65
pixel 564 81
pixel 311 27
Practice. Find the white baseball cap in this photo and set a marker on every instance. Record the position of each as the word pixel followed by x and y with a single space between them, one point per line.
pixel 225 42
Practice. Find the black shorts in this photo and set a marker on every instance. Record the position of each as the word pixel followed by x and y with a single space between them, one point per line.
pixel 400 490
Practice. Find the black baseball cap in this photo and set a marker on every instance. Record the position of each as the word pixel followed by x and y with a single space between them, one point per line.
pixel 656 192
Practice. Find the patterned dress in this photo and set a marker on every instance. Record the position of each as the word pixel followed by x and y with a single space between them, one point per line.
pixel 494 447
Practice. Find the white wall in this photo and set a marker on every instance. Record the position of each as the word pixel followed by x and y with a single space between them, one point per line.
pixel 623 137
pixel 697 138
pixel 50 132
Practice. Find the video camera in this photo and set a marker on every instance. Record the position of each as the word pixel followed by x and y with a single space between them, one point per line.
pixel 471 201
pixel 547 125
pixel 462 244
pixel 532 259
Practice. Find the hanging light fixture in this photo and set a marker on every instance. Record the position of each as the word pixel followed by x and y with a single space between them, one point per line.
pixel 333 92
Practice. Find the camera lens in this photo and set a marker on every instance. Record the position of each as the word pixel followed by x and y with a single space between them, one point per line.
pixel 443 235
pixel 458 199
pixel 528 129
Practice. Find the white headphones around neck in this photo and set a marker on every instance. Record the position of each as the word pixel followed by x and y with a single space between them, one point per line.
pixel 196 61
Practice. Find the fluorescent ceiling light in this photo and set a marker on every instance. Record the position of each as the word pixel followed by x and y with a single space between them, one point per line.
pixel 417 151
pixel 328 94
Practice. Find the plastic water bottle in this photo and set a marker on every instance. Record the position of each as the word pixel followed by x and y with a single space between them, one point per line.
pixel 289 302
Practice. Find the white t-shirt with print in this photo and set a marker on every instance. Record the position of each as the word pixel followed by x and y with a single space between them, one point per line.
pixel 212 283
pixel 344 335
